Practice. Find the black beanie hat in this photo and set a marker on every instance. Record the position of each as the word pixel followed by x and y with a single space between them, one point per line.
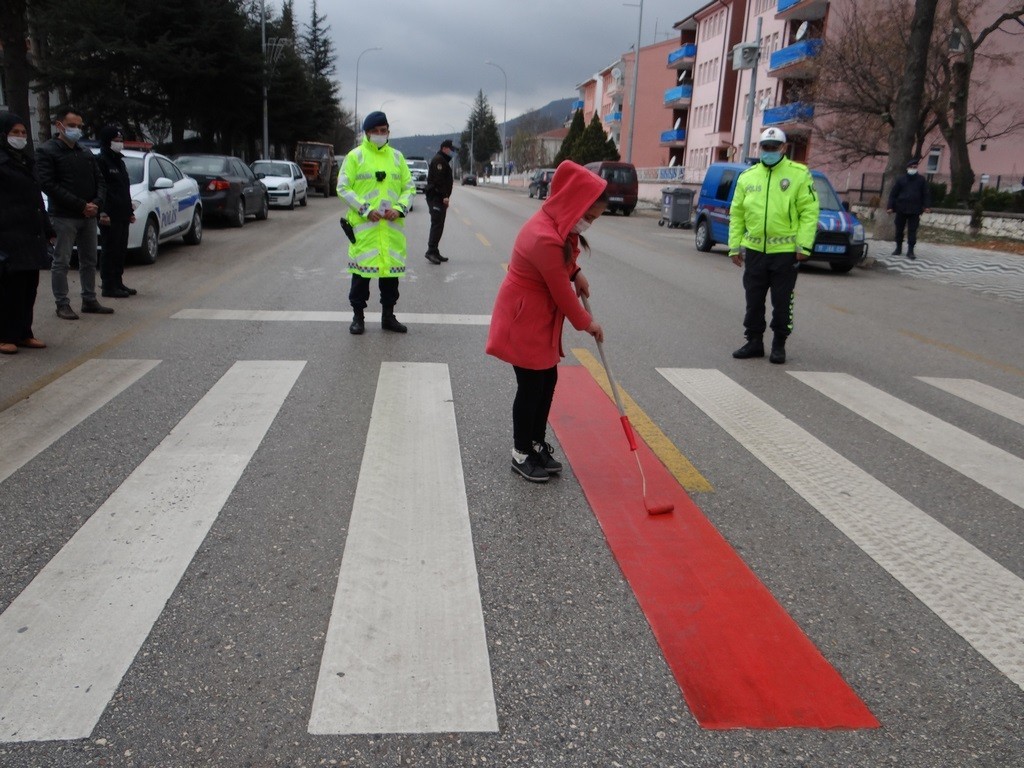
pixel 107 134
pixel 374 120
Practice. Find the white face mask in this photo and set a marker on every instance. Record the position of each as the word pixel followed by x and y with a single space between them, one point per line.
pixel 581 226
pixel 17 142
pixel 117 146
pixel 379 140
pixel 911 171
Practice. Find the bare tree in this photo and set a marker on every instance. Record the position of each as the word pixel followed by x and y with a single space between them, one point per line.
pixel 17 71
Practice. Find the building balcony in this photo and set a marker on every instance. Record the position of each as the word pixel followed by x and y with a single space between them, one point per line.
pixel 578 104
pixel 614 86
pixel 682 58
pixel 674 138
pixel 794 118
pixel 795 62
pixel 801 10
pixel 613 117
pixel 680 96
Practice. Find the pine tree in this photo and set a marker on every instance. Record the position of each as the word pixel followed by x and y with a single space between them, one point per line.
pixel 576 129
pixel 593 144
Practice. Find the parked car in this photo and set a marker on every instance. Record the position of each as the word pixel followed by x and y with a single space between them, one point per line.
pixel 840 240
pixel 623 185
pixel 418 168
pixel 228 187
pixel 539 182
pixel 284 181
pixel 167 204
pixel 469 180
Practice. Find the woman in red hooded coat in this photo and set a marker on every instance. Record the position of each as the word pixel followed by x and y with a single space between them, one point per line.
pixel 541 290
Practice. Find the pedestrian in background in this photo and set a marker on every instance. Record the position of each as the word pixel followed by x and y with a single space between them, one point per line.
pixel 438 194
pixel 377 187
pixel 117 213
pixel 540 290
pixel 74 186
pixel 908 199
pixel 773 221
pixel 24 232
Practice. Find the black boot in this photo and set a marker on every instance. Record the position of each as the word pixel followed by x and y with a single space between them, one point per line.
pixel 897 250
pixel 753 348
pixel 433 257
pixel 358 326
pixel 389 322
pixel 910 253
pixel 778 355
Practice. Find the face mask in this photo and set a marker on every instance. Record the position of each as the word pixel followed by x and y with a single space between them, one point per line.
pixel 17 142
pixel 117 146
pixel 911 171
pixel 73 134
pixel 771 158
pixel 581 226
pixel 379 140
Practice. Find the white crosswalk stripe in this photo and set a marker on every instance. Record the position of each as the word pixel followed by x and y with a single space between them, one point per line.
pixel 982 395
pixel 976 596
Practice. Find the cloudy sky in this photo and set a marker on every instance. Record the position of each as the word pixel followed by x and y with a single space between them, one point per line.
pixel 431 65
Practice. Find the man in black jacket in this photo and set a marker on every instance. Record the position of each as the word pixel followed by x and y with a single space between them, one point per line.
pixel 909 198
pixel 117 213
pixel 69 176
pixel 438 192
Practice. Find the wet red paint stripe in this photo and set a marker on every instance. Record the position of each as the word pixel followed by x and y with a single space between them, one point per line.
pixel 739 658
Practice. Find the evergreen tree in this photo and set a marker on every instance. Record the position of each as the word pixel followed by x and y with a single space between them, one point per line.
pixel 576 128
pixel 318 51
pixel 593 144
pixel 481 134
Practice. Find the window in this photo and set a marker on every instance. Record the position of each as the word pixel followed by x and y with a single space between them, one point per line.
pixel 934 156
pixel 168 169
pixel 724 185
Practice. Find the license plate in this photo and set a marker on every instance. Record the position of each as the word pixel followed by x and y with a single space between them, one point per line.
pixel 830 248
pixel 614 199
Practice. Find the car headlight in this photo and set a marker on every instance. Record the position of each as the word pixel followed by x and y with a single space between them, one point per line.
pixel 858 233
pixel 282 187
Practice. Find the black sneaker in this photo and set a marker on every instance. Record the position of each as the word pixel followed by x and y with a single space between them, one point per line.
pixel 543 453
pixel 530 469
pixel 753 348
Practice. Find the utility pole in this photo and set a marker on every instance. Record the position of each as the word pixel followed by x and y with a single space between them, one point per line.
pixel 751 98
pixel 636 77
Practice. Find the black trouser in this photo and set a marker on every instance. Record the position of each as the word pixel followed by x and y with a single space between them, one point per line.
pixel 114 238
pixel 764 273
pixel 438 212
pixel 17 300
pixel 359 293
pixel 910 220
pixel 532 405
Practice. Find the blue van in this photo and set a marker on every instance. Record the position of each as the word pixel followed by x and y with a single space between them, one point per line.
pixel 840 240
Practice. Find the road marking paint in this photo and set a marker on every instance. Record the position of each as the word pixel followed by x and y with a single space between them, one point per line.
pixel 68 638
pixel 977 597
pixel 406 650
pixel 963 353
pixel 992 467
pixel 30 426
pixel 739 658
pixel 296 316
pixel 982 395
pixel 673 459
pixel 483 239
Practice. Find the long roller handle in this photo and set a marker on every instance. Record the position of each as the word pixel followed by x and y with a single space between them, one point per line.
pixel 626 426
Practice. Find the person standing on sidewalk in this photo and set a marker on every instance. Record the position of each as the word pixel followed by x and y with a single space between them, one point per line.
pixel 72 182
pixel 376 185
pixel 117 213
pixel 908 199
pixel 773 221
pixel 438 193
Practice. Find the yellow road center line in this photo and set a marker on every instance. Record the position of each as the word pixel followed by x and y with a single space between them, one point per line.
pixel 676 463
pixel 483 239
pixel 963 353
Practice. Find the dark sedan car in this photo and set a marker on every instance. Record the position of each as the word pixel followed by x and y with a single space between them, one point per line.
pixel 469 179
pixel 227 186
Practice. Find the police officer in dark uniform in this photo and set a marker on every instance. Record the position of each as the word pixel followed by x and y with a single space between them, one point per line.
pixel 908 199
pixel 117 213
pixel 438 192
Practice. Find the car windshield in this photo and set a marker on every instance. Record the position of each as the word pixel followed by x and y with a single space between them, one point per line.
pixel 201 164
pixel 315 153
pixel 134 166
pixel 827 199
pixel 417 164
pixel 272 169
pixel 619 175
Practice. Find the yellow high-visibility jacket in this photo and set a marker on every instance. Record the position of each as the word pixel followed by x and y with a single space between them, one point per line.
pixel 373 178
pixel 774 210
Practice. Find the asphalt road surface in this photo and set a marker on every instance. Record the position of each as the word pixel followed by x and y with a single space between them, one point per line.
pixel 232 534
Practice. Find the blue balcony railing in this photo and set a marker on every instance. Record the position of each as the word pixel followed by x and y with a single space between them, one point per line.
pixel 688 51
pixel 788 113
pixel 785 5
pixel 805 49
pixel 578 104
pixel 674 135
pixel 679 93
pixel 613 117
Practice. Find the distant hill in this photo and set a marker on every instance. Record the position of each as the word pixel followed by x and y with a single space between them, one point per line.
pixel 426 146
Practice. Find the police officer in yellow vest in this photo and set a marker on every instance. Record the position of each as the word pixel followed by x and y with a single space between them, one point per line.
pixel 772 224
pixel 375 184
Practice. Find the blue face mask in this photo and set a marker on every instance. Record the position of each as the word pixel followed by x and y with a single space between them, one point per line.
pixel 771 158
pixel 73 134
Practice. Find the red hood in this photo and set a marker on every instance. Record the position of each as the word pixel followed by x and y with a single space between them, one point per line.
pixel 573 190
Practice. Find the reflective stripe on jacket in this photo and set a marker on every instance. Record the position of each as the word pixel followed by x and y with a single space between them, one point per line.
pixel 774 210
pixel 380 248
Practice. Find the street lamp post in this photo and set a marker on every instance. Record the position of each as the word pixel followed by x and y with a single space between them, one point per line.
pixel 636 76
pixel 263 43
pixel 504 123
pixel 355 104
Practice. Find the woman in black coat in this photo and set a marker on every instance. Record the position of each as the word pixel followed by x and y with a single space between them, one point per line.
pixel 24 232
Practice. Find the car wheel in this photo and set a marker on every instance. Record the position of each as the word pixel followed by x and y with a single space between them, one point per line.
pixel 194 236
pixel 150 243
pixel 238 219
pixel 531 193
pixel 841 268
pixel 302 202
pixel 703 236
pixel 626 211
pixel 264 210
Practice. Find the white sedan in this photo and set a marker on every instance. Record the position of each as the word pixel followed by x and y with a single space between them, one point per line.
pixel 284 180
